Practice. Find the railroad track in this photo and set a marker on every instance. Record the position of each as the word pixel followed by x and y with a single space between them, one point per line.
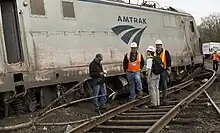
pixel 192 116
pixel 125 118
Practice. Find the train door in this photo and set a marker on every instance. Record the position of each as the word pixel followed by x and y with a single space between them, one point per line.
pixel 188 36
pixel 195 37
pixel 11 31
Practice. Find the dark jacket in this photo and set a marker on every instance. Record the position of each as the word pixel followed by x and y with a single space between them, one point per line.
pixel 133 58
pixel 168 58
pixel 95 69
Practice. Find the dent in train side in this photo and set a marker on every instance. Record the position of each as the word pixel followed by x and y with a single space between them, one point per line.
pixel 53 66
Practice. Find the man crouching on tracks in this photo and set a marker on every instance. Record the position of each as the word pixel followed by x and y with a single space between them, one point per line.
pixel 166 59
pixel 97 74
pixel 154 67
pixel 133 63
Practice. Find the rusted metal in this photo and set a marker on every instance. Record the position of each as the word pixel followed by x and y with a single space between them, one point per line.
pixel 202 99
pixel 13 98
pixel 184 121
pixel 147 113
pixel 125 127
pixel 110 114
pixel 180 86
pixel 131 122
pixel 15 127
pixel 73 89
pixel 213 103
pixel 73 102
pixel 159 125
pixel 195 72
pixel 130 117
pixel 151 110
pixel 203 75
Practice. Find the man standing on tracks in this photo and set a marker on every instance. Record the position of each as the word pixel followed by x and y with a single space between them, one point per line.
pixel 154 67
pixel 97 74
pixel 166 59
pixel 133 63
pixel 215 60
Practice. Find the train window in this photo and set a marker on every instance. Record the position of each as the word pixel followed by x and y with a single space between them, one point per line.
pixel 192 26
pixel 68 9
pixel 37 7
pixel 166 21
pixel 172 21
pixel 169 21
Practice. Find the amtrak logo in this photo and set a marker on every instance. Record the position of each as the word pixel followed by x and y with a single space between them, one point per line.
pixel 129 32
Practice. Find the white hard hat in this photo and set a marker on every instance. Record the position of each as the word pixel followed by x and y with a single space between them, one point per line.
pixel 151 48
pixel 158 42
pixel 133 45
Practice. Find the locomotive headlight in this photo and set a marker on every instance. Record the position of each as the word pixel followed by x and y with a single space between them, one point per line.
pixel 25 3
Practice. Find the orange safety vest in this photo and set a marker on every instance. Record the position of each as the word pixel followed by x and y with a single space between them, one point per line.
pixel 163 58
pixel 136 65
pixel 215 57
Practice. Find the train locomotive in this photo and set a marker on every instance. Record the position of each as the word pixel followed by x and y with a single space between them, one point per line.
pixel 46 45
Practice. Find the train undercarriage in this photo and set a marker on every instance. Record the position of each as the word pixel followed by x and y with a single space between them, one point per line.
pixel 33 99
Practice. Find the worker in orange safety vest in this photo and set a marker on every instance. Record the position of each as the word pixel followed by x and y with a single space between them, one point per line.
pixel 215 60
pixel 133 63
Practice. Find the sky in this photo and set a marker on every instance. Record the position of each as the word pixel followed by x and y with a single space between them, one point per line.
pixel 198 8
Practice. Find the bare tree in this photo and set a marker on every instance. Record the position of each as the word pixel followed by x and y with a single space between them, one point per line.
pixel 210 28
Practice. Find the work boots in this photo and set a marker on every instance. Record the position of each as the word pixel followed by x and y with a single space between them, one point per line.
pixel 140 95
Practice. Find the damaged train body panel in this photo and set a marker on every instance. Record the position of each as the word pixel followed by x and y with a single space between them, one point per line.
pixel 53 42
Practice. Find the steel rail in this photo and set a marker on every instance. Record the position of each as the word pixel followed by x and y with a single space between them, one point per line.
pixel 84 127
pixel 163 121
pixel 213 103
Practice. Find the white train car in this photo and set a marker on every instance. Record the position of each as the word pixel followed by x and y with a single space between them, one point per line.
pixel 48 42
pixel 208 48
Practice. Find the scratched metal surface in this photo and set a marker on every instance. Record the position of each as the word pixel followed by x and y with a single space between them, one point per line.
pixel 61 43
pixel 53 43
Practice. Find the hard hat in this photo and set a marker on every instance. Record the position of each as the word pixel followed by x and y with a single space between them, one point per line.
pixel 151 48
pixel 158 42
pixel 133 45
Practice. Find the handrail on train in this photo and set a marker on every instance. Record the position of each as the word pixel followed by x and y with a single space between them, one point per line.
pixel 147 3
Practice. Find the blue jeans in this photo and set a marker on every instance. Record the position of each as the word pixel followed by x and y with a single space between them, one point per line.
pixel 97 88
pixel 163 83
pixel 134 81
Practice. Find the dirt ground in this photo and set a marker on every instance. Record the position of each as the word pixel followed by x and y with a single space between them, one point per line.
pixel 206 121
pixel 214 92
pixel 206 117
pixel 79 111
pixel 75 112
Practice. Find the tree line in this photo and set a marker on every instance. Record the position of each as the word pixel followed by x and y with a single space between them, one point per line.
pixel 209 28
